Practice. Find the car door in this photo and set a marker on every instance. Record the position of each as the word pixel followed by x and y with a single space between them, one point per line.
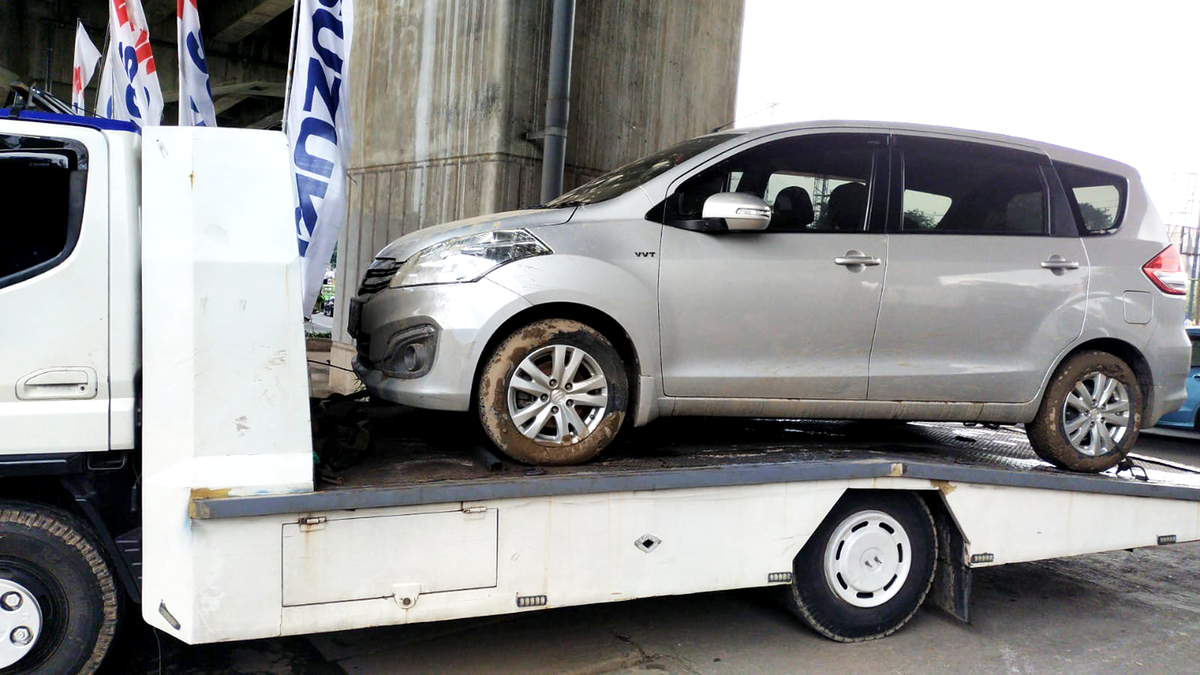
pixel 53 289
pixel 987 278
pixel 787 312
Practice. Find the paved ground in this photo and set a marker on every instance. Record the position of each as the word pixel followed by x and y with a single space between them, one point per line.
pixel 1113 611
pixel 319 324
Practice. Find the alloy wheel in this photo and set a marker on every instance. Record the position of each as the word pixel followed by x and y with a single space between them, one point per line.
pixel 557 395
pixel 1096 414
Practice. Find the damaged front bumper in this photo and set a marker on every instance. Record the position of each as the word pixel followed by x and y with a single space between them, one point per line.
pixel 419 346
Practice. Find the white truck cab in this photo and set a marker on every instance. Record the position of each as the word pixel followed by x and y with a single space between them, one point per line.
pixel 155 444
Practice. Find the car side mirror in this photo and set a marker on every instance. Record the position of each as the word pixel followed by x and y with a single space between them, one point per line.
pixel 740 211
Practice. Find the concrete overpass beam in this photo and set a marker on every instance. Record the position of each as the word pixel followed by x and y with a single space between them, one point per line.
pixel 233 21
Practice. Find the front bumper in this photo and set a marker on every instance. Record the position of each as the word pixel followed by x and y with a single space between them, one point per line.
pixel 463 317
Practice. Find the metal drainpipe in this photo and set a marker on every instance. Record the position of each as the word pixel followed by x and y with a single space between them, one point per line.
pixel 558 91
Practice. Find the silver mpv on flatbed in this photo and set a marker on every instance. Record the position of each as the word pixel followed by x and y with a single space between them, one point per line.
pixel 818 270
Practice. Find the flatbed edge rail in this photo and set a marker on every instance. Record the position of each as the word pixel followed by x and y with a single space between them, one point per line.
pixel 205 506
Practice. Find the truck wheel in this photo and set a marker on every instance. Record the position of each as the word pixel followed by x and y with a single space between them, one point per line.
pixel 865 571
pixel 1090 414
pixel 553 392
pixel 58 600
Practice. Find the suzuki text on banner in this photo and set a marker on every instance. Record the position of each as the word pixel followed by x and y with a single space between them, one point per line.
pixel 195 92
pixel 317 119
pixel 135 95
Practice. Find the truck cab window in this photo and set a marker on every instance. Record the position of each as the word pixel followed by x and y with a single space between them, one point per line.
pixel 41 190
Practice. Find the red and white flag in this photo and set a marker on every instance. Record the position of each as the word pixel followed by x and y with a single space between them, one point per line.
pixel 86 57
pixel 134 94
pixel 195 93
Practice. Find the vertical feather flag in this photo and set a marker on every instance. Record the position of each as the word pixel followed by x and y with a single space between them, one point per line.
pixel 86 57
pixel 133 93
pixel 195 92
pixel 317 122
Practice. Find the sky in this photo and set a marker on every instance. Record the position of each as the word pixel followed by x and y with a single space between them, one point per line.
pixel 1117 79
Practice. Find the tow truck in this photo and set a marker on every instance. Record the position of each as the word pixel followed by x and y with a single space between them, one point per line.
pixel 157 450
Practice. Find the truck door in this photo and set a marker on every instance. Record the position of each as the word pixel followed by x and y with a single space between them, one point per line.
pixel 53 289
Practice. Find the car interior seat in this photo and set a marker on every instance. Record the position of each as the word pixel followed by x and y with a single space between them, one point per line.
pixel 793 210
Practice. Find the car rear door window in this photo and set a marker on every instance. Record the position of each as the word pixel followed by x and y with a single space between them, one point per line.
pixel 1098 198
pixel 952 187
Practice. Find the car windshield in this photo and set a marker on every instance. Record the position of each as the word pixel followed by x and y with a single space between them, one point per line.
pixel 620 181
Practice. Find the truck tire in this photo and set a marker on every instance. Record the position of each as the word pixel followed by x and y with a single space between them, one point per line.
pixel 1090 414
pixel 553 392
pixel 866 570
pixel 57 587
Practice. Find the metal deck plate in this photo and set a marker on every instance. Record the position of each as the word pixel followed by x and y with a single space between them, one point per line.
pixel 417 462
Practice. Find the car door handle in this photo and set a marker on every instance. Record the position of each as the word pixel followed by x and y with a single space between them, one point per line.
pixel 856 259
pixel 1057 262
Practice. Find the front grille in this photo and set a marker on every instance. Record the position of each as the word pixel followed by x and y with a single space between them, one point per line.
pixel 378 275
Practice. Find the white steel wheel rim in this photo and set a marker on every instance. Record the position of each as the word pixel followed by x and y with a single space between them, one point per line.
pixel 868 559
pixel 20 622
pixel 1096 414
pixel 557 395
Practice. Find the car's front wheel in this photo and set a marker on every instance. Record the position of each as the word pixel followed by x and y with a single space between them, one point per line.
pixel 1090 414
pixel 553 392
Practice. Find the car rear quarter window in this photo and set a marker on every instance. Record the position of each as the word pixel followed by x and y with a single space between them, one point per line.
pixel 1097 197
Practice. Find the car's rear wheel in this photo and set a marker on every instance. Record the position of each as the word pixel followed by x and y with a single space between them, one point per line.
pixel 553 392
pixel 866 570
pixel 1090 415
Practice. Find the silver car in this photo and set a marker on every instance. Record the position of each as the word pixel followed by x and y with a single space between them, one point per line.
pixel 818 270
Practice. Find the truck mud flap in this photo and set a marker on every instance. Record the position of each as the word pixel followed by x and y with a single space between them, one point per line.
pixel 951 590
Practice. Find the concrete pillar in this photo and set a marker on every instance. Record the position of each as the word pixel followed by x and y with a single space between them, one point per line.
pixel 445 92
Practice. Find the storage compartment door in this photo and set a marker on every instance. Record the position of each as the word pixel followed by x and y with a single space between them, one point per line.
pixel 366 558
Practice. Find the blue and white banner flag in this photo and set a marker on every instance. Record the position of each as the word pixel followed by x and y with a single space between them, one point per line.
pixel 317 122
pixel 129 88
pixel 195 92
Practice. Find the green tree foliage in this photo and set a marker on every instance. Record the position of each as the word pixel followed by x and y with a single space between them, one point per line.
pixel 1095 218
pixel 915 219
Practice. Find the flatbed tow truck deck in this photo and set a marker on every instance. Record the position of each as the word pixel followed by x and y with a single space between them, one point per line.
pixel 415 461
pixel 856 523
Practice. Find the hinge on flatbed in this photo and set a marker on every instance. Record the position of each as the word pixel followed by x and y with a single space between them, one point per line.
pixel 474 509
pixel 310 523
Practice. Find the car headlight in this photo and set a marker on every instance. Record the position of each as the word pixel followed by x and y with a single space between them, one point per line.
pixel 467 258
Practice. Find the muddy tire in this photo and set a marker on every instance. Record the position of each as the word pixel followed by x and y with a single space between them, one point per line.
pixel 65 596
pixel 553 392
pixel 868 567
pixel 1084 423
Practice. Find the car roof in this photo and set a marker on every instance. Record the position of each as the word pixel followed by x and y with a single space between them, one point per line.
pixel 1054 152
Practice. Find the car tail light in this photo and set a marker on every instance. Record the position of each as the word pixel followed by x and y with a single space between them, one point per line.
pixel 1166 271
